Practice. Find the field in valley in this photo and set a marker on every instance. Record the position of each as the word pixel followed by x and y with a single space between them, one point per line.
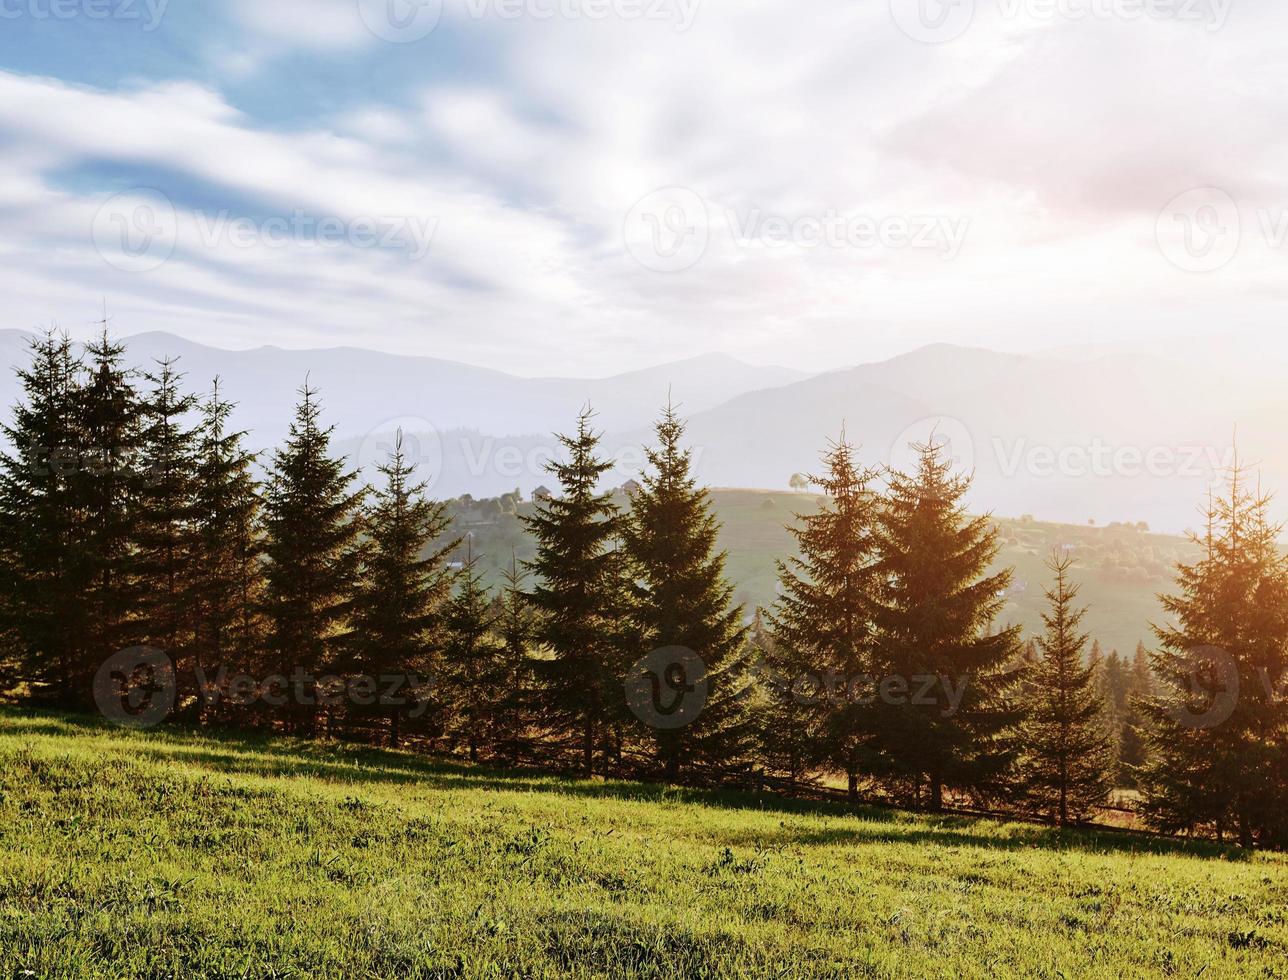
pixel 177 854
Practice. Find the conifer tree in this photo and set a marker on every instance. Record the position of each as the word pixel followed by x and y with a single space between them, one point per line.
pixel 1067 753
pixel 933 621
pixel 106 484
pixel 822 622
pixel 404 582
pixel 40 524
pixel 579 599
pixel 682 599
pixel 165 533
pixel 312 522
pixel 1216 726
pixel 228 575
pixel 515 707
pixel 471 677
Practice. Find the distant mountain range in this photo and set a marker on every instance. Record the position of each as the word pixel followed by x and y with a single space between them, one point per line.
pixel 1072 435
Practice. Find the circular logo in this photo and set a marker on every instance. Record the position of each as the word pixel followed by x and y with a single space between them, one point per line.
pixel 949 435
pixel 1200 230
pixel 667 689
pixel 416 438
pixel 933 21
pixel 668 230
pixel 135 231
pixel 136 687
pixel 401 21
pixel 1213 689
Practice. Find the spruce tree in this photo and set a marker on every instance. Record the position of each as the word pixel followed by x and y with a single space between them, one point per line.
pixel 404 582
pixel 579 599
pixel 1216 727
pixel 471 675
pixel 40 524
pixel 682 599
pixel 934 626
pixel 1067 752
pixel 228 575
pixel 106 484
pixel 312 522
pixel 516 705
pixel 167 556
pixel 822 622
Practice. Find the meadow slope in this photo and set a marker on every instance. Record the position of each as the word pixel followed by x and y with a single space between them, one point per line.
pixel 180 854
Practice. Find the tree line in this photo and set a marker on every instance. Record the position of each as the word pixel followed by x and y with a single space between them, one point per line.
pixel 133 514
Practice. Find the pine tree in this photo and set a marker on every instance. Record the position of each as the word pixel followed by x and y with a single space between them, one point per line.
pixel 471 672
pixel 312 521
pixel 933 621
pixel 106 485
pixel 404 582
pixel 1067 753
pixel 579 598
pixel 682 599
pixel 228 575
pixel 515 707
pixel 1216 729
pixel 165 530
pixel 40 525
pixel 822 622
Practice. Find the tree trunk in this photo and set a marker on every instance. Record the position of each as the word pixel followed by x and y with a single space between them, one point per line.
pixel 853 788
pixel 588 749
pixel 936 794
pixel 395 736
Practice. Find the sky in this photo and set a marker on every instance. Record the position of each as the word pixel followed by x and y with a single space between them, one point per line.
pixel 582 188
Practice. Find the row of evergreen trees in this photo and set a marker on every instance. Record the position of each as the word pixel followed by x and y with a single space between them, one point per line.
pixel 132 513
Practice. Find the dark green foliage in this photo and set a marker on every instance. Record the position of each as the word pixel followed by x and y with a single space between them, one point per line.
pixel 935 620
pixel 312 522
pixel 1067 756
pixel 228 576
pixel 822 626
pixel 404 582
pixel 40 526
pixel 1217 726
pixel 518 700
pixel 471 677
pixel 682 599
pixel 580 600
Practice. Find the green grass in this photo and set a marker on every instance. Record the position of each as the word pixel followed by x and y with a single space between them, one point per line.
pixel 180 854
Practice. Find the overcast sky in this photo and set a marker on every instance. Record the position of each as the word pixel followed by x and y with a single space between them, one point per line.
pixel 546 187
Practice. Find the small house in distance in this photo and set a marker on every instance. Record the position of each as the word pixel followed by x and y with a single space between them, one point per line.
pixel 542 493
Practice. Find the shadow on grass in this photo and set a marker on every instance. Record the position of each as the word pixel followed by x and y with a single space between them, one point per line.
pixel 234 752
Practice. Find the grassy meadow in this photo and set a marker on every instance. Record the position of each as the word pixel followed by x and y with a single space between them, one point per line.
pixel 177 854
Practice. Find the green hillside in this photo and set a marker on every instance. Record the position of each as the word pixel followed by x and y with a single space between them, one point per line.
pixel 170 854
pixel 1121 569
